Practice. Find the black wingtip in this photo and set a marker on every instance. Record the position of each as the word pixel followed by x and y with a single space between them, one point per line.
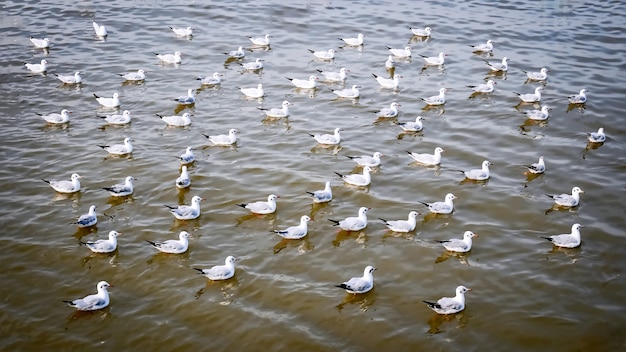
pixel 383 220
pixel 103 146
pixel 342 286
pixel 291 79
pixel 374 75
pixel 94 94
pixel 152 243
pixel 431 304
pixel 46 181
pixel 83 243
pixel 338 174
pixel 200 270
pixel 426 204
pixel 311 193
pixel 547 238
pixel 318 70
pixel 206 135
pixel 311 50
pixel 243 205
pixel 334 221
pixel 169 206
pixel 312 135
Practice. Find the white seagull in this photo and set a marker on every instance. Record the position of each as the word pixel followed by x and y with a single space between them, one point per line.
pixel 360 180
pixel 254 65
pixel 391 83
pixel 187 212
pixel 187 157
pixel 332 76
pixel 353 223
pixel 278 113
pixel 38 68
pixel 100 30
pixel 188 99
pixel 459 245
pixel 531 97
pixel 257 92
pixel 542 75
pixel 402 225
pixel 117 119
pixel 108 102
pixel 450 305
pixel 484 47
pixel 352 93
pixel 567 240
pixel 435 60
pixel 213 80
pixel 182 31
pixel 328 139
pixel 391 111
pixel 539 115
pixel 324 55
pixel 412 126
pixel 220 272
pixel 70 79
pixel 183 181
pixel 260 41
pixel 236 54
pixel 173 246
pixel 119 149
pixel 484 88
pixel 421 32
pixel 361 284
pixel 597 137
pixel 64 186
pixel 175 120
pixel 295 232
pixel 169 58
pixel 390 63
pixel 427 159
pixel 224 139
pixel 304 83
pixel 579 98
pixel 499 66
pixel 103 246
pixel 261 207
pixel 478 174
pixel 401 53
pixel 538 167
pixel 121 189
pixel 40 43
pixel 567 200
pixel 140 75
pixel 323 195
pixel 93 302
pixel 445 207
pixel 366 160
pixel 354 41
pixel 88 219
pixel 63 117
pixel 437 99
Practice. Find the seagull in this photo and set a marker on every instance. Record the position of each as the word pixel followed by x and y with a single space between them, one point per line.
pixel 542 75
pixel 328 139
pixel 236 54
pixel 427 159
pixel 483 48
pixel 40 43
pixel 539 115
pixel 538 167
pixel 213 80
pixel 88 219
pixel 450 305
pixel 140 75
pixel 597 137
pixel 421 32
pixel 93 302
pixel 353 223
pixel 531 98
pixel 412 126
pixel 366 160
pixel 478 174
pixel 324 55
pixel 224 139
pixel 390 63
pixel 187 212
pixel 109 102
pixel 402 225
pixel 401 53
pixel 349 92
pixel 579 98
pixel 187 157
pixel 254 65
pixel 188 99
pixel 353 41
pixel 457 245
pixel 103 246
pixel 484 88
pixel 116 119
pixel 63 117
pixel 360 284
pixel 332 76
pixel 169 58
pixel 175 120
pixel 567 240
pixel 122 190
pixel 260 41
pixel 445 207
pixel 183 180
pixel 253 92
pixel 70 79
pixel 295 232
pixel 220 272
pixel 391 111
pixel 100 30
pixel 119 149
pixel 278 113
pixel 387 82
pixel 182 32
pixel 304 83
pixel 38 68
pixel 435 60
pixel 173 246
pixel 437 99
pixel 360 180
pixel 499 66
pixel 324 195
pixel 567 200
pixel 261 207
pixel 64 186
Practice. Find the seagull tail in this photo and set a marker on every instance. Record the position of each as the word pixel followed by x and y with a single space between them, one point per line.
pixel 334 221
pixel 471 86
pixel 374 75
pixel 152 243
pixel 206 135
pixel 311 193
pixel 431 305
pixel 171 207
pixel 83 243
pixel 516 93
pixel 200 271
pixel 103 146
pixel 342 286
pixel 160 116
pixel 383 220
pixel 547 238
pixel 311 50
pixel 291 79
pixel 95 95
pixel 243 205
pixel 312 135
pixel 46 181
pixel 426 204
pixel 338 174
pixel 550 195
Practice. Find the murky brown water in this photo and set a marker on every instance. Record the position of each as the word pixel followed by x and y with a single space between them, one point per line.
pixel 526 295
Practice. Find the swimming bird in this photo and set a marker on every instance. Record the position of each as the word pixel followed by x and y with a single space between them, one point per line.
pixel 117 119
pixel 437 99
pixel 354 41
pixel 175 120
pixel 121 190
pixel 353 223
pixel 391 83
pixel 88 219
pixel 63 117
pixel 295 232
pixel 459 245
pixel 254 65
pixel 64 186
pixel 100 30
pixel 103 246
pixel 353 92
pixel 567 240
pixel 401 53
pixel 324 195
pixel 224 139
pixel 483 48
pixel 236 54
pixel 119 149
pixel 324 55
pixel 93 302
pixel 220 272
pixel 328 139
pixel 391 111
pixel 532 97
pixel 140 75
pixel 538 167
pixel 579 98
pixel 257 92
pixel 597 137
pixel 539 115
pixel 108 102
pixel 445 207
pixel 402 225
pixel 499 66
pixel 187 157
pixel 412 126
pixel 427 159
pixel 304 83
pixel 435 60
pixel 76 78
pixel 173 246
pixel 183 181
pixel 332 76
pixel 261 207
pixel 360 180
pixel 450 305
pixel 38 68
pixel 187 212
pixel 278 113
pixel 188 99
pixel 567 200
pixel 390 63
pixel 542 75
pixel 366 160
pixel 260 41
pixel 361 284
pixel 213 80
pixel 182 31
pixel 484 88
pixel 421 32
pixel 169 58
pixel 40 43
pixel 478 174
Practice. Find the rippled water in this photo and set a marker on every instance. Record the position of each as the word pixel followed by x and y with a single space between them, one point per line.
pixel 526 295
